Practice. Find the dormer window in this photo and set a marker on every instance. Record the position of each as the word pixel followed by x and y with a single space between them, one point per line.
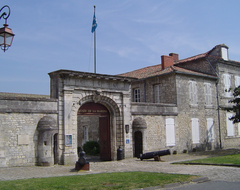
pixel 224 52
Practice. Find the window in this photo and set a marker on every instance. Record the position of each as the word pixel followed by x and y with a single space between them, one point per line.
pixel 208 93
pixel 137 95
pixel 170 134
pixel 237 81
pixel 85 134
pixel 195 130
pixel 227 84
pixel 230 127
pixel 193 92
pixel 224 53
pixel 157 93
pixel 210 130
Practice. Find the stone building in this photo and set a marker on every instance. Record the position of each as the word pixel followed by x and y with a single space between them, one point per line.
pixel 175 105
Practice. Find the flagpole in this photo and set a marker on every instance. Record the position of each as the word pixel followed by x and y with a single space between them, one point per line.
pixel 94 46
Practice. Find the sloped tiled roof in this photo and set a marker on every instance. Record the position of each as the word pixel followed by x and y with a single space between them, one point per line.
pixel 202 55
pixel 156 71
pixel 144 72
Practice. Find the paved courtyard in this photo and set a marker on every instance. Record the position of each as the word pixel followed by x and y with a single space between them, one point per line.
pixel 231 174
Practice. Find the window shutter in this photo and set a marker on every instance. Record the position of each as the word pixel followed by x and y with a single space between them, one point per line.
pixel 205 92
pixel 195 130
pixel 230 127
pixel 190 92
pixel 237 81
pixel 195 99
pixel 208 93
pixel 170 133
pixel 210 130
pixel 227 84
pixel 193 92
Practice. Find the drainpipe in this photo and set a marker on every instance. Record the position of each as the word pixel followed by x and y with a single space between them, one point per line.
pixel 219 126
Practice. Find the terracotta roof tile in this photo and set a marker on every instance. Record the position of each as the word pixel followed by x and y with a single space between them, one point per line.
pixel 144 72
pixel 156 71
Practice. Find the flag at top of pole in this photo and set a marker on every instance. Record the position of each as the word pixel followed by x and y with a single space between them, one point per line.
pixel 94 22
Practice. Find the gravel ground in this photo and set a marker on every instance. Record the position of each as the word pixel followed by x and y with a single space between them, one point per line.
pixel 231 174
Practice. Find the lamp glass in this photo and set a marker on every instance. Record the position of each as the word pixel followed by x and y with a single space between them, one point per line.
pixel 6 39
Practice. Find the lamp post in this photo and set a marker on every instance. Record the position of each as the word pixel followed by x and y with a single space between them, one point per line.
pixel 6 35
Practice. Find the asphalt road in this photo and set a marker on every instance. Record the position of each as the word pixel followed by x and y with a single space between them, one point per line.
pixel 210 185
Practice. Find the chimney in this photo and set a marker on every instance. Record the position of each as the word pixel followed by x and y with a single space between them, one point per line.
pixel 168 61
pixel 174 55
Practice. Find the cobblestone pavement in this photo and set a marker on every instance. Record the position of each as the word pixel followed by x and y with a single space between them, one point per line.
pixel 133 164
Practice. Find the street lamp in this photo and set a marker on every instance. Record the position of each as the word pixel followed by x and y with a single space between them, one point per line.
pixel 6 35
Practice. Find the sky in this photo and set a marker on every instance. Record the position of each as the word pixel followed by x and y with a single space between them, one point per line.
pixel 131 34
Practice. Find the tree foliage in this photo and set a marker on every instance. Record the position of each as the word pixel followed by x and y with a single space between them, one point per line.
pixel 236 105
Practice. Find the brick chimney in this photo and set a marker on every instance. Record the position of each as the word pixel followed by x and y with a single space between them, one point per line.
pixel 168 61
pixel 174 55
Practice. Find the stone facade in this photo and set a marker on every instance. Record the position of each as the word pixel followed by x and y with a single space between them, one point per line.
pixel 178 105
pixel 19 117
pixel 73 89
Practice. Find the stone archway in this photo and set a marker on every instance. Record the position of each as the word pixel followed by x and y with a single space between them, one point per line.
pixel 139 126
pixel 47 141
pixel 94 125
pixel 116 130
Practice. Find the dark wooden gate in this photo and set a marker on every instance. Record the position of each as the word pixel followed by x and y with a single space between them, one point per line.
pixel 104 139
pixel 138 143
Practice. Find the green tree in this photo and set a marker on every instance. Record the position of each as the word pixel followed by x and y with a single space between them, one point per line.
pixel 236 105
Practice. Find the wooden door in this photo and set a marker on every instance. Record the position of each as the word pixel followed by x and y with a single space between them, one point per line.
pixel 104 138
pixel 55 149
pixel 138 143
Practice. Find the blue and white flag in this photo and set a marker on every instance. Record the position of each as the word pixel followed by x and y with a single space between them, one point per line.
pixel 94 23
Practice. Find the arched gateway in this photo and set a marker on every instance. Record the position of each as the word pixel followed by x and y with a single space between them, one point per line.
pixel 94 125
pixel 92 107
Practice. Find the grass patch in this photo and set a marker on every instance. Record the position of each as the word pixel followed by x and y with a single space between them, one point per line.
pixel 121 180
pixel 233 159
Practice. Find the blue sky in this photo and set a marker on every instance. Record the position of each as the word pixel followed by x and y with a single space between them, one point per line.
pixel 131 34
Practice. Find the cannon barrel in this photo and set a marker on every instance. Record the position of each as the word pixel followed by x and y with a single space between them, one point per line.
pixel 149 155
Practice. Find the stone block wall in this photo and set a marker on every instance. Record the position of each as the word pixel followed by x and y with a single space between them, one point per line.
pixel 233 69
pixel 167 89
pixel 201 111
pixel 77 88
pixel 19 118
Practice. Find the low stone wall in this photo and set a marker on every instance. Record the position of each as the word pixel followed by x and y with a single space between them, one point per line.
pixel 19 117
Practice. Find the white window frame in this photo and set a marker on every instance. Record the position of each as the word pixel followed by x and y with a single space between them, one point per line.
pixel 227 84
pixel 210 129
pixel 157 98
pixel 224 52
pixel 193 92
pixel 208 93
pixel 170 132
pixel 229 124
pixel 195 130
pixel 136 95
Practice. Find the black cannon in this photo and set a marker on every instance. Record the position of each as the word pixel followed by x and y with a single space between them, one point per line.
pixel 82 164
pixel 149 155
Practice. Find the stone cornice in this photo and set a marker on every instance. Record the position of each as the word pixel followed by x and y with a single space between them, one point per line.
pixel 77 74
